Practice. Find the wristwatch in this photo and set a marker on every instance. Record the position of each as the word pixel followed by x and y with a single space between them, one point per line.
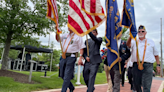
pixel 158 64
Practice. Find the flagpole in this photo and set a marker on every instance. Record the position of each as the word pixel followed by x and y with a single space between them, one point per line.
pixel 118 56
pixel 87 45
pixel 161 51
pixel 59 40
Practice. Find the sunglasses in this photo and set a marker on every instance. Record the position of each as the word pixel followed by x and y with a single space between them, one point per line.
pixel 141 31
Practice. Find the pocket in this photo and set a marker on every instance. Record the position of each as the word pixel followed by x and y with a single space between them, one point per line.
pixel 71 61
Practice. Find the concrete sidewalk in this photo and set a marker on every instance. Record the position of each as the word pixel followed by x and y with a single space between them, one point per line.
pixel 157 86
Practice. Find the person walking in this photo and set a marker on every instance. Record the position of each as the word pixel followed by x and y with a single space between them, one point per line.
pixel 148 54
pixel 71 44
pixel 92 61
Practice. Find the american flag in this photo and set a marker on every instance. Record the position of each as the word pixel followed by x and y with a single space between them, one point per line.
pixel 85 16
pixel 52 13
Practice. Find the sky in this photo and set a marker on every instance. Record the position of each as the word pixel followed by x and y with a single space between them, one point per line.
pixel 147 13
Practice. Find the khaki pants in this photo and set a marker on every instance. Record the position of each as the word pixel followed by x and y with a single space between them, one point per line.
pixel 109 89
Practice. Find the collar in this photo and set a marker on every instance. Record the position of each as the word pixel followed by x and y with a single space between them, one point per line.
pixel 142 40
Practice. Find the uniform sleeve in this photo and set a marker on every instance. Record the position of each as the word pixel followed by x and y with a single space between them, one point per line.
pixel 132 43
pixel 61 37
pixel 94 38
pixel 155 51
pixel 81 43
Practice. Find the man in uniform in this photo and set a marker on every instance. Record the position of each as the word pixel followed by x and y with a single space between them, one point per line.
pixel 148 54
pixel 124 53
pixel 92 61
pixel 71 44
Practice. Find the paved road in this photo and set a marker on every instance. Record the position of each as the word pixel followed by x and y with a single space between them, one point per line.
pixel 156 87
pixel 158 78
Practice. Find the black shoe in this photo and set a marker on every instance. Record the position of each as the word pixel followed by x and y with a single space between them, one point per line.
pixel 131 88
pixel 93 89
pixel 122 85
pixel 71 90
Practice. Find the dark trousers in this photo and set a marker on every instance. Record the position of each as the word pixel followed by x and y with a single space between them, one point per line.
pixel 130 78
pixel 115 76
pixel 66 72
pixel 123 76
pixel 89 74
pixel 143 77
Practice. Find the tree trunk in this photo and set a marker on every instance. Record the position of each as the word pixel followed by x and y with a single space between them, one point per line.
pixel 6 52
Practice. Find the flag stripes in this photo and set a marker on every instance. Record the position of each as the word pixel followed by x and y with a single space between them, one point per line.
pixel 85 16
pixel 52 13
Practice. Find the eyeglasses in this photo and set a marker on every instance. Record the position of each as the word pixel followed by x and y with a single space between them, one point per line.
pixel 141 31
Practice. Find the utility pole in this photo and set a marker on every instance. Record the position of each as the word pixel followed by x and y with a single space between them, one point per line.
pixel 161 51
pixel 49 41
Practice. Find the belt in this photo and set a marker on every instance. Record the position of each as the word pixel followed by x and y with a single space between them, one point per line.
pixel 144 62
pixel 69 54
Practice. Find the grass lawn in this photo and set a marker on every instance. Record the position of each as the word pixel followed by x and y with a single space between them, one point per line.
pixel 9 85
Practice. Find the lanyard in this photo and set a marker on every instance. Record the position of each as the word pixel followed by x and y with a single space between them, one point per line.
pixel 144 51
pixel 68 43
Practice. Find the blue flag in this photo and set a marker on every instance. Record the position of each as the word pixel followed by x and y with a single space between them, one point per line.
pixel 113 31
pixel 128 18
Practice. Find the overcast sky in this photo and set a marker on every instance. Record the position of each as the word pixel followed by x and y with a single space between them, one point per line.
pixel 147 13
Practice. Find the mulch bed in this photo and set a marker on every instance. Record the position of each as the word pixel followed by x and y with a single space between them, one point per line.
pixel 22 78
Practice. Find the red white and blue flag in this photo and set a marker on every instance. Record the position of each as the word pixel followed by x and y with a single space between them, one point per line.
pixel 85 16
pixel 52 13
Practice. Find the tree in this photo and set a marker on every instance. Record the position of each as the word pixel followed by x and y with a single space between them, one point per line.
pixel 125 34
pixel 20 20
pixel 46 57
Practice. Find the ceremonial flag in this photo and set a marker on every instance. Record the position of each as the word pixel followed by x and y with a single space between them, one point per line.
pixel 113 31
pixel 52 13
pixel 85 16
pixel 128 18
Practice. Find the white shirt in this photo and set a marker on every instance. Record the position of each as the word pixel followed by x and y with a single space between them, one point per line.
pixel 75 45
pixel 130 63
pixel 151 50
pixel 119 42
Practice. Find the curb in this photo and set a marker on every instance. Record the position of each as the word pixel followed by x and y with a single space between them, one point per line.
pixel 83 86
pixel 161 87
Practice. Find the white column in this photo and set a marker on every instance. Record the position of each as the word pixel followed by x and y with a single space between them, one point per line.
pixel 22 59
pixel 125 75
pixel 51 61
pixel 31 69
pixel 78 75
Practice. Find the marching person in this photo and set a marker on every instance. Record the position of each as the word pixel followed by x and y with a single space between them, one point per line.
pixel 71 44
pixel 123 74
pixel 130 75
pixel 108 77
pixel 148 54
pixel 92 61
pixel 124 53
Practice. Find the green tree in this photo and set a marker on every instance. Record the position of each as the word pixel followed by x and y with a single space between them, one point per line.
pixel 125 34
pixel 46 57
pixel 20 20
